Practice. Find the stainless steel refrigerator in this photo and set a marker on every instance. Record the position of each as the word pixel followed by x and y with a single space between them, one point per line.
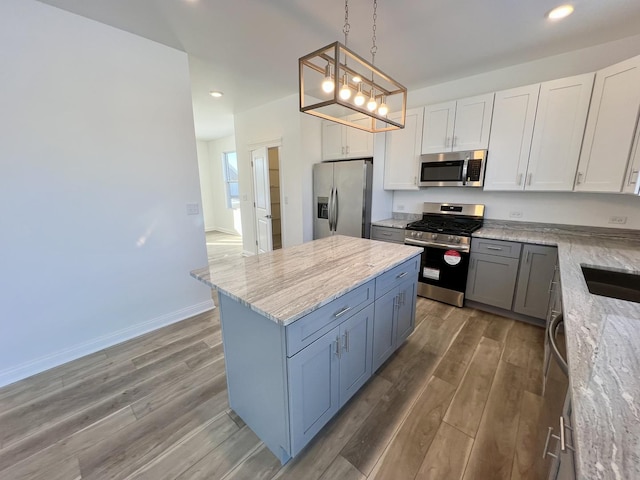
pixel 342 198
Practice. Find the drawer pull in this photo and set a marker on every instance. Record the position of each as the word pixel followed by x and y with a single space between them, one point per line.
pixel 494 248
pixel 386 234
pixel 546 445
pixel 402 275
pixel 341 312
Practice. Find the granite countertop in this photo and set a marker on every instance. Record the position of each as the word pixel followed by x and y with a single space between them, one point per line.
pixel 399 220
pixel 603 343
pixel 286 284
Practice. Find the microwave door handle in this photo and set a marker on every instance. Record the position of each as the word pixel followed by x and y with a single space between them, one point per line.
pixel 465 167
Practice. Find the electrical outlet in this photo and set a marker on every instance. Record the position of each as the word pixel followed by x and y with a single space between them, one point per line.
pixel 515 214
pixel 617 220
pixel 193 209
pixel 401 208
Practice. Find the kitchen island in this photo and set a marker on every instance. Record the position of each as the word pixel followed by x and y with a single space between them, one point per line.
pixel 603 343
pixel 306 326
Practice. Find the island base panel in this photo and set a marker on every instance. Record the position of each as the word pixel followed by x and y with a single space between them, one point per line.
pixel 255 362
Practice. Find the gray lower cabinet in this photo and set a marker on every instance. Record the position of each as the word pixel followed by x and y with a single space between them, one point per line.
pixel 492 279
pixel 537 267
pixel 511 276
pixel 394 320
pixel 323 376
pixel 387 234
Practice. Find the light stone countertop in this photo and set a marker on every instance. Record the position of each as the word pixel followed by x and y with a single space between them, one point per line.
pixel 286 284
pixel 603 343
pixel 399 220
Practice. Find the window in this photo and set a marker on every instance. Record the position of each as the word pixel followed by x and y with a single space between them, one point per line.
pixel 230 161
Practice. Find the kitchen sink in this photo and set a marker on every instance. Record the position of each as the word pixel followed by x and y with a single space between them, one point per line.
pixel 612 283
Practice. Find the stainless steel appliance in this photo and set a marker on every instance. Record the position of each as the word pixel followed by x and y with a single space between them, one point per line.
pixel 454 169
pixel 342 198
pixel 445 233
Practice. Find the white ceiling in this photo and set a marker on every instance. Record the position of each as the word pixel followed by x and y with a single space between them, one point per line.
pixel 249 48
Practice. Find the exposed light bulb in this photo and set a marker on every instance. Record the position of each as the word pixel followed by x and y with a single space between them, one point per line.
pixel 359 98
pixel 560 12
pixel 383 109
pixel 372 104
pixel 345 91
pixel 328 84
pixel 356 79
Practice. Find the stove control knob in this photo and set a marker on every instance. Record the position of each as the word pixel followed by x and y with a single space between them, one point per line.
pixel 413 234
pixel 450 238
pixel 457 239
pixel 434 236
pixel 419 234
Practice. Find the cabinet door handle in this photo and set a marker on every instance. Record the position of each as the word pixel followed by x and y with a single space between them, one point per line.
pixel 415 180
pixel 455 140
pixel 494 248
pixel 519 179
pixel 395 302
pixel 633 177
pixel 473 263
pixel 579 178
pixel 402 275
pixel 338 351
pixel 546 445
pixel 447 142
pixel 347 149
pixel 526 260
pixel 341 312
pixel 346 341
pixel 529 175
pixel 551 285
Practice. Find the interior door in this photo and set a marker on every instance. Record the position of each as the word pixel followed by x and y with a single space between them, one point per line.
pixel 349 183
pixel 264 227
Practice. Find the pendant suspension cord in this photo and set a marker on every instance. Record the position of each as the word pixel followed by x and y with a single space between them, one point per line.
pixel 347 26
pixel 374 47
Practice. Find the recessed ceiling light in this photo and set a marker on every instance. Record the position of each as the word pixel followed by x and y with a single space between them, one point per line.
pixel 215 93
pixel 560 12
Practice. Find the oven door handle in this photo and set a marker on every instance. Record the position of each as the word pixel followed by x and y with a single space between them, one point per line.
pixel 443 246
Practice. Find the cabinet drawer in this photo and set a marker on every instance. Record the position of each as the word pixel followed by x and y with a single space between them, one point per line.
pixel 397 275
pixel 496 247
pixel 387 234
pixel 309 328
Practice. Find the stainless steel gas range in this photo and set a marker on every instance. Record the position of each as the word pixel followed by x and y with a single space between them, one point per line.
pixel 445 233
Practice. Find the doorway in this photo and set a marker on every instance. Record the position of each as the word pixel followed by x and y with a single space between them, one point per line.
pixel 265 164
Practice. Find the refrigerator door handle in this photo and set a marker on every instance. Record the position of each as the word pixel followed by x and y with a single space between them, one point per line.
pixel 330 207
pixel 335 210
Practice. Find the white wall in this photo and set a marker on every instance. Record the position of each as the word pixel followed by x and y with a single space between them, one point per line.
pixel 206 185
pixel 98 162
pixel 566 208
pixel 280 122
pixel 225 219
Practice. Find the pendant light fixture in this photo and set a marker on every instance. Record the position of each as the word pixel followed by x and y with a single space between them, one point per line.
pixel 329 77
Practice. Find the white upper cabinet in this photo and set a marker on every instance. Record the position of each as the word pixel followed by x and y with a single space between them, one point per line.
pixel 608 138
pixel 340 141
pixel 514 114
pixel 632 179
pixel 459 125
pixel 536 135
pixel 557 136
pixel 402 152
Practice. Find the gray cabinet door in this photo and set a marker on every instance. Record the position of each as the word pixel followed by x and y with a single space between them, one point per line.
pixel 492 279
pixel 313 388
pixel 384 331
pixel 406 310
pixel 537 267
pixel 355 361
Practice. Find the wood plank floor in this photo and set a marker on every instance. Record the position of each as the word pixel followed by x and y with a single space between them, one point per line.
pixel 457 401
pixel 223 245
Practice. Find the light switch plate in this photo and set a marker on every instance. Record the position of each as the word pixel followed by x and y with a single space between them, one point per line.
pixel 193 209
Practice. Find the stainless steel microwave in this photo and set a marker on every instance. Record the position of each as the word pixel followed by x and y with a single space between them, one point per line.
pixel 453 169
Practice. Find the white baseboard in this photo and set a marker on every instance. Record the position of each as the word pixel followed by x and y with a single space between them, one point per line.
pixel 38 365
pixel 247 253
